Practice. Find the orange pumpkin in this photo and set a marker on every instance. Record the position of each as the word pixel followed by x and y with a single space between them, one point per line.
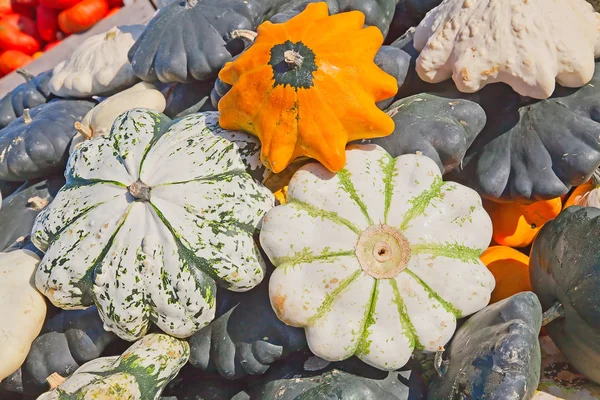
pixel 515 225
pixel 11 60
pixel 82 16
pixel 304 91
pixel 510 268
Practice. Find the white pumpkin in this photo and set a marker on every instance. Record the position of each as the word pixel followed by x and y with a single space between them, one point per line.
pixel 151 219
pixel 377 260
pixel 22 308
pixel 99 66
pixel 526 44
pixel 100 119
pixel 140 373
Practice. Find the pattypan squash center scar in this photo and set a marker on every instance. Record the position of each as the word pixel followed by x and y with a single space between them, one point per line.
pixel 293 64
pixel 383 251
pixel 139 191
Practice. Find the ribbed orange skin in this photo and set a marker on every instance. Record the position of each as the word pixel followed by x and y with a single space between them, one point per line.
pixel 319 121
pixel 510 268
pixel 515 225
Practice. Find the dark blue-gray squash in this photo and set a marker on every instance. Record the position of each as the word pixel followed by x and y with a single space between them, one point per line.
pixel 495 354
pixel 36 145
pixel 246 337
pixel 32 93
pixel 565 274
pixel 186 98
pixel 408 13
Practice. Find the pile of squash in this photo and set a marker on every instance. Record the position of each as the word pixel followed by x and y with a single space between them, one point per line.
pixel 28 28
pixel 291 199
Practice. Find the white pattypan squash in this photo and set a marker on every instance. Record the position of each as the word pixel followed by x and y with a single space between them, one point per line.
pixel 22 308
pixel 377 260
pixel 100 119
pixel 140 373
pixel 151 218
pixel 99 66
pixel 526 44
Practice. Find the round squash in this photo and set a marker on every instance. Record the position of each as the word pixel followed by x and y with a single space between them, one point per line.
pixel 482 42
pixel 312 102
pixel 565 274
pixel 308 377
pixel 192 39
pixel 98 121
pixel 140 373
pixel 439 127
pixel 36 145
pixel 510 268
pixel 19 210
pixel 23 308
pixel 515 225
pixel 99 66
pixel 495 354
pixel 246 337
pixel 67 340
pixel 151 219
pixel 378 259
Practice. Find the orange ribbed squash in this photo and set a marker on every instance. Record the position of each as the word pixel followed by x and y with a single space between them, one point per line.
pixel 309 86
pixel 515 225
pixel 510 268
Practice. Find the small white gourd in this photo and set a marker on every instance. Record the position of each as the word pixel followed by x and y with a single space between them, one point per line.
pixel 22 308
pixel 99 66
pixel 99 120
pixel 527 44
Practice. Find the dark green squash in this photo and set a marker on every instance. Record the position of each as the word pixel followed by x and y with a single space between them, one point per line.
pixel 19 210
pixel 305 377
pixel 191 384
pixel 32 93
pixel 192 39
pixel 36 145
pixel 408 13
pixel 495 354
pixel 377 13
pixel 246 337
pixel 68 340
pixel 440 127
pixel 565 274
pixel 182 97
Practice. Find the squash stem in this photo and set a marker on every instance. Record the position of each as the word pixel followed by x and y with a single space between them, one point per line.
pixel 25 74
pixel 139 191
pixel 293 59
pixel 244 34
pixel 84 130
pixel 191 3
pixel 110 35
pixel 555 312
pixel 441 366
pixel 27 116
pixel 55 380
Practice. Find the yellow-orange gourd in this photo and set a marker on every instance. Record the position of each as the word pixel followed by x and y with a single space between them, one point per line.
pixel 510 268
pixel 515 225
pixel 309 86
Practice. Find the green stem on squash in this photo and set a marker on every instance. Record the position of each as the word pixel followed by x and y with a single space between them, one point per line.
pixel 27 116
pixel 553 313
pixel 25 74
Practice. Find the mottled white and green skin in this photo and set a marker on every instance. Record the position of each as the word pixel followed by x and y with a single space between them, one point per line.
pixel 141 373
pixel 319 283
pixel 156 261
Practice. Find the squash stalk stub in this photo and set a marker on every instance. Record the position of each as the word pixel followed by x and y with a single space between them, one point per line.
pixel 27 116
pixel 139 191
pixel 383 251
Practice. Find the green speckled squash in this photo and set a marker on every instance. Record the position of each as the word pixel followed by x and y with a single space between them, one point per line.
pixel 378 259
pixel 141 373
pixel 151 219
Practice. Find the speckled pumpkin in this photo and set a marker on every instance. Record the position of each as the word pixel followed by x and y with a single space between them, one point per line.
pixel 301 95
pixel 141 373
pixel 378 259
pixel 151 218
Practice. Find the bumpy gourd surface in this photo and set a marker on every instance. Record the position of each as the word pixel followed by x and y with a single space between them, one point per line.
pixel 526 44
pixel 156 260
pixel 141 373
pixel 379 312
